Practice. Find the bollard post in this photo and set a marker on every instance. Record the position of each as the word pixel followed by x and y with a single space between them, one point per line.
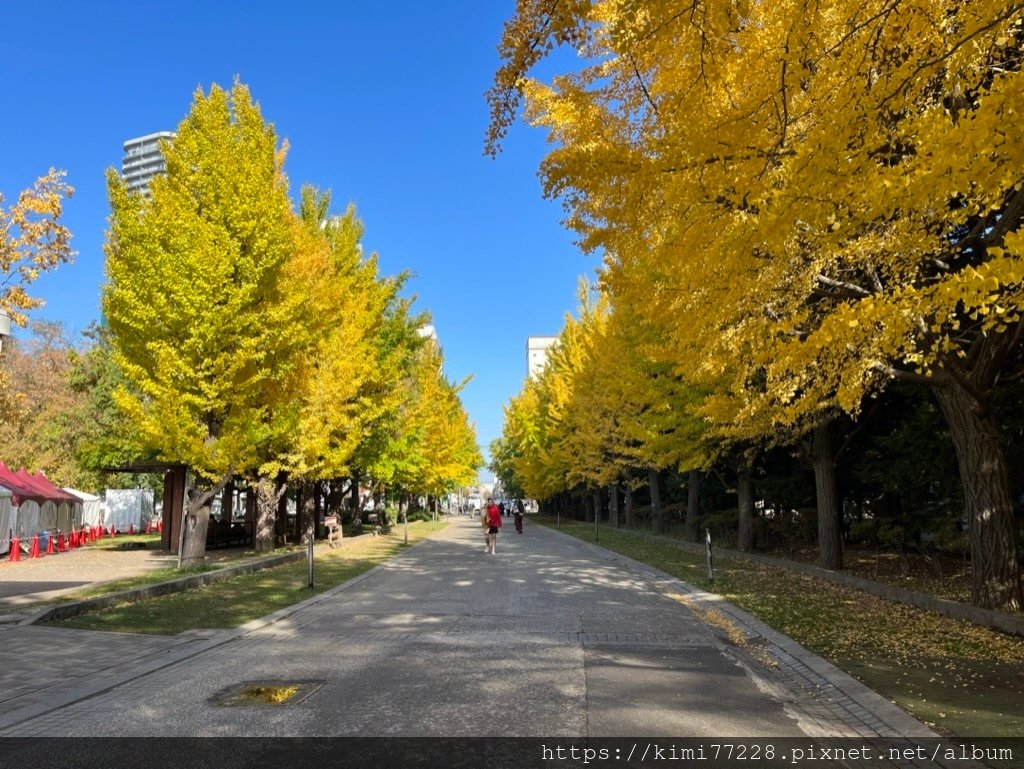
pixel 711 571
pixel 309 554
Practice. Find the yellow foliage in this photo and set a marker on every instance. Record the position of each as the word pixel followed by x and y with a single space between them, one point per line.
pixel 32 241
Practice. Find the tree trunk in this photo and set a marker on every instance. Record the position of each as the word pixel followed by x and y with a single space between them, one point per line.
pixel 194 525
pixel 588 508
pixel 613 505
pixel 318 506
pixel 250 513
pixel 745 501
pixel 305 517
pixel 983 471
pixel 301 494
pixel 281 516
pixel 195 522
pixel 227 502
pixel 354 502
pixel 268 495
pixel 652 479
pixel 629 505
pixel 335 491
pixel 692 504
pixel 597 504
pixel 822 456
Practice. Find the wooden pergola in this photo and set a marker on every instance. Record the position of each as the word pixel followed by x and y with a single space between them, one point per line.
pixel 173 495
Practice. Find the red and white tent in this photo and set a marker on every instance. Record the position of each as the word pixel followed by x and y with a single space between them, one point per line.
pixel 37 505
pixel 6 519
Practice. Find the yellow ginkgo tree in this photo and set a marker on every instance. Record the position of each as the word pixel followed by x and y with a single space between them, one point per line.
pixel 820 199
pixel 203 323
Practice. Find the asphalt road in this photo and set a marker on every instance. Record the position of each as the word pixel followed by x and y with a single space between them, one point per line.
pixel 548 637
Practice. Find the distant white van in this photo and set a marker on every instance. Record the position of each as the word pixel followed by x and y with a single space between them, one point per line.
pixel 474 502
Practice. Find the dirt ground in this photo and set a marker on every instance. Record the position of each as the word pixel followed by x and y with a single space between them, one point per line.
pixel 41 579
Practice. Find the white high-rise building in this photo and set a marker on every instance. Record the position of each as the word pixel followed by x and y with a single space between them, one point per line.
pixel 537 349
pixel 142 161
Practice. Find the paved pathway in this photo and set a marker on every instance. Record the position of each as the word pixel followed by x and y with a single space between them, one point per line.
pixel 554 636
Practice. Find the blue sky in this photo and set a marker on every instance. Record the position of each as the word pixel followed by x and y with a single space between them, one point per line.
pixel 380 102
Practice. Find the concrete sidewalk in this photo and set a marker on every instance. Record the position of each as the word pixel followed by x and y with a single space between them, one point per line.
pixel 571 639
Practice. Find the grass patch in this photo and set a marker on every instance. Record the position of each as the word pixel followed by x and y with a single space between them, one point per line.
pixel 247 597
pixel 958 678
pixel 943 575
pixel 126 541
pixel 149 578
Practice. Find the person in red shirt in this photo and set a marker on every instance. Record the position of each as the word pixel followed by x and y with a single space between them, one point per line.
pixel 494 523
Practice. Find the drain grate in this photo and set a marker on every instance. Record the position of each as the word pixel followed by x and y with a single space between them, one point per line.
pixel 266 693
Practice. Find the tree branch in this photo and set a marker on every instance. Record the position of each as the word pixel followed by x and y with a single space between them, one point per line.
pixel 852 288
pixel 905 376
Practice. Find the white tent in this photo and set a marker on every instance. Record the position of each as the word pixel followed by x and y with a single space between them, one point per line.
pixel 7 520
pixel 33 517
pixel 128 507
pixel 91 508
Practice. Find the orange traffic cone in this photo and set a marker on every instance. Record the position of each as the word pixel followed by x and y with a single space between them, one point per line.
pixel 61 546
pixel 160 526
pixel 113 531
pixel 51 546
pixel 131 528
pixel 15 549
pixel 34 550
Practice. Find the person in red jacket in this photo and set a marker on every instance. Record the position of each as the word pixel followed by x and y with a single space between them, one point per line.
pixel 494 521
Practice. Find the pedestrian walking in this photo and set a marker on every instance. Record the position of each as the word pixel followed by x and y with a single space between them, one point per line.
pixel 485 523
pixel 493 515
pixel 519 510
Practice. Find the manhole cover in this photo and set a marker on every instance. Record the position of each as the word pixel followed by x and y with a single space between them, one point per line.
pixel 266 693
